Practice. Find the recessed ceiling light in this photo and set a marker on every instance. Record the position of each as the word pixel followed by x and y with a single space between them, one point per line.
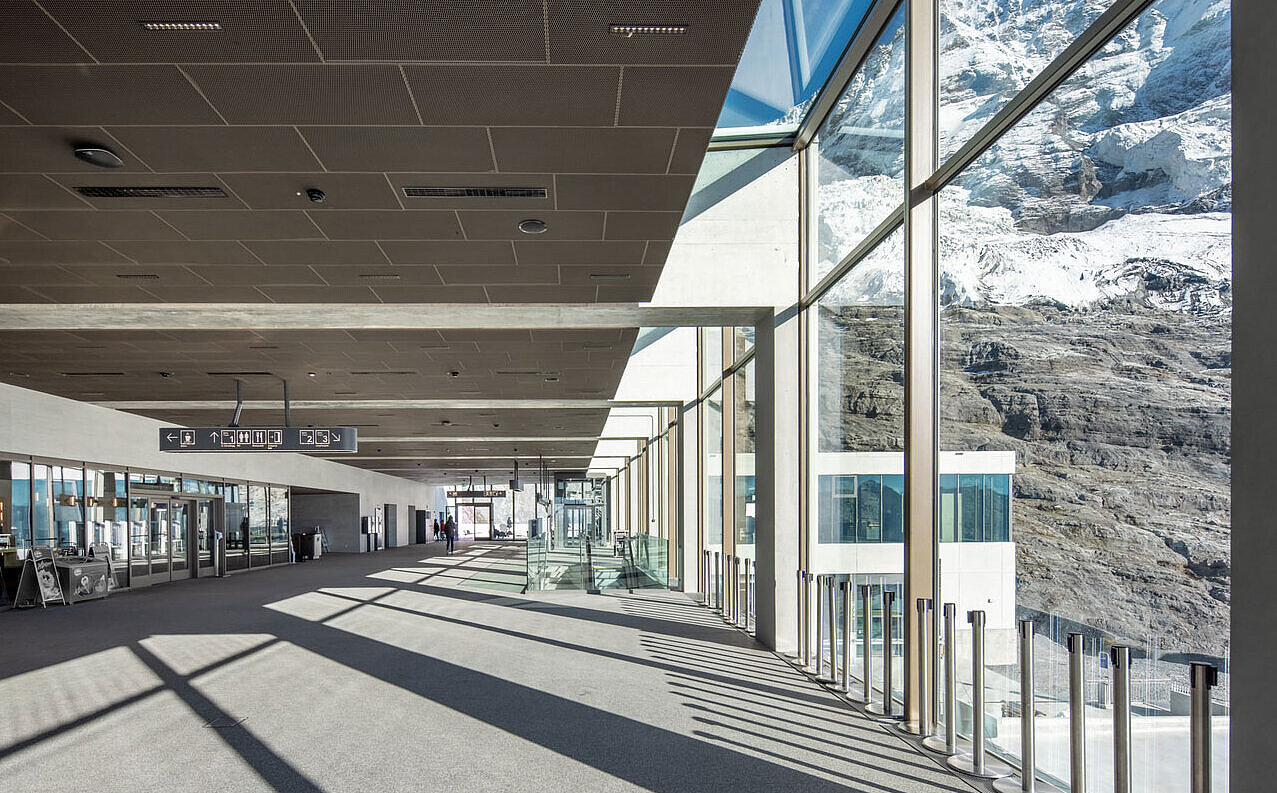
pixel 100 156
pixel 629 31
pixel 533 226
pixel 311 374
pixel 552 379
pixel 609 276
pixel 182 25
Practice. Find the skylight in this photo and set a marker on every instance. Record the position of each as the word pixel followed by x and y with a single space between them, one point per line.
pixel 791 51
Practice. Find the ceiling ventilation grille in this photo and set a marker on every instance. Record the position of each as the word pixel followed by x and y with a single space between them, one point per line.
pixel 139 276
pixel 476 192
pixel 151 192
pixel 384 372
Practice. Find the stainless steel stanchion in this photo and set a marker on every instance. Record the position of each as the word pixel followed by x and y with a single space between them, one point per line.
pixel 801 625
pixel 866 641
pixel 976 763
pixel 947 744
pixel 807 618
pixel 718 581
pixel 885 710
pixel 820 627
pixel 922 727
pixel 831 618
pixel 1202 678
pixel 1028 707
pixel 1123 752
pixel 1077 713
pixel 847 618
pixel 736 599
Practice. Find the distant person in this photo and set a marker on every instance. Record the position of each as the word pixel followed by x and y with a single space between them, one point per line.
pixel 438 536
pixel 450 530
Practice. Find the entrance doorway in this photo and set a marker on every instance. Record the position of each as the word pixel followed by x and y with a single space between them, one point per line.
pixel 170 539
pixel 475 521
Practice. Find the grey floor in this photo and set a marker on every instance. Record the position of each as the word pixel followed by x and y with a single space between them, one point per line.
pixel 409 670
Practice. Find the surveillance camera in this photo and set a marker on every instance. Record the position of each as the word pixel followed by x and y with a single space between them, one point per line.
pixel 315 195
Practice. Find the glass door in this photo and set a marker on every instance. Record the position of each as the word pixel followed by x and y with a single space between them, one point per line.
pixel 158 523
pixel 204 538
pixel 476 521
pixel 139 543
pixel 181 522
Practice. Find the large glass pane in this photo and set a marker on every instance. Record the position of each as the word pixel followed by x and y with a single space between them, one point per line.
pixel 280 539
pixel 745 510
pixel 236 506
pixel 258 520
pixel 107 517
pixel 42 532
pixel 15 502
pixel 792 48
pixel 1086 371
pixel 67 485
pixel 712 470
pixel 856 467
pixel 139 541
pixel 711 355
pixel 989 51
pixel 860 153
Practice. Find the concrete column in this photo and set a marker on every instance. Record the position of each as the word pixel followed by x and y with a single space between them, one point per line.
pixel 776 477
pixel 1254 554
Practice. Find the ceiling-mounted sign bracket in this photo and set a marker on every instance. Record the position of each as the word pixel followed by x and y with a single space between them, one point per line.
pixel 258 439
pixel 239 402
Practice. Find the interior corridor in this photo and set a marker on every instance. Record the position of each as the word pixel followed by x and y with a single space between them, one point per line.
pixel 413 670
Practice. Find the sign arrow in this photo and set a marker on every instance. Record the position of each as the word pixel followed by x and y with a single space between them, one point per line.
pixel 213 436
pixel 170 436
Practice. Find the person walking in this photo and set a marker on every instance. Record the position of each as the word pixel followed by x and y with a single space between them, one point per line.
pixel 450 530
pixel 438 535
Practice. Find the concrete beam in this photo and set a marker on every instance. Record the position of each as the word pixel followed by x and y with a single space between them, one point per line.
pixel 381 404
pixel 343 316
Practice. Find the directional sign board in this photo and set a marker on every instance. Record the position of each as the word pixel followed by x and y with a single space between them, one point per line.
pixel 258 439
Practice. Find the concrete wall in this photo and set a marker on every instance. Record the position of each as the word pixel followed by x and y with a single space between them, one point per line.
pixel 39 425
pixel 337 513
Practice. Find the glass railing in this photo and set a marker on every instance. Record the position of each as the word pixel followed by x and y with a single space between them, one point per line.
pixel 1159 695
pixel 650 558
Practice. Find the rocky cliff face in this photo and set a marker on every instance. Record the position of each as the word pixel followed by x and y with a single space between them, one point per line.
pixel 1086 279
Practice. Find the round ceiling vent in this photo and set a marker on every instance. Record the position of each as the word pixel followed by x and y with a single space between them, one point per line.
pixel 99 156
pixel 533 226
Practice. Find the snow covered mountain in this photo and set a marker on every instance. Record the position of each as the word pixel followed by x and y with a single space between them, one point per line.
pixel 1117 187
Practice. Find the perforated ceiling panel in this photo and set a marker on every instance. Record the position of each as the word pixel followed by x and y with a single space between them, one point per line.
pixel 358 101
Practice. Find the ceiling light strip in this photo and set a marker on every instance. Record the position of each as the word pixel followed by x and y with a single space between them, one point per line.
pixel 176 25
pixel 629 31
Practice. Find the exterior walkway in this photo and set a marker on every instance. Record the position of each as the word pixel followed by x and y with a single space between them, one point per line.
pixel 401 671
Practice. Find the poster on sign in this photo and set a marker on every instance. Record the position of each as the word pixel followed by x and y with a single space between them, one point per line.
pixel 39 582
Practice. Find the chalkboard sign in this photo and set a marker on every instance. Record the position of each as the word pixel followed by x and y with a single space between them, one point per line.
pixel 39 581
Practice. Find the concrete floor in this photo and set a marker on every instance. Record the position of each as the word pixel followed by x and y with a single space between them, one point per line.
pixel 408 670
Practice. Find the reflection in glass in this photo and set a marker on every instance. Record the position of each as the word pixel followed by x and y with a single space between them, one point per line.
pixel 860 162
pixel 107 519
pixel 15 494
pixel 280 541
pixel 743 421
pixel 712 468
pixel 258 539
pixel 236 506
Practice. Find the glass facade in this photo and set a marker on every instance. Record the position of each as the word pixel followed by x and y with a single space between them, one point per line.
pixel 859 154
pixel 712 469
